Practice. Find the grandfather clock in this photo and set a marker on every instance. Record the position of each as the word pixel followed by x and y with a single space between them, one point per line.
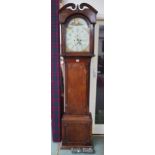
pixel 77 33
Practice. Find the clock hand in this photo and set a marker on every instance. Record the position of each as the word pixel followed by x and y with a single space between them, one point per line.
pixel 79 41
pixel 75 44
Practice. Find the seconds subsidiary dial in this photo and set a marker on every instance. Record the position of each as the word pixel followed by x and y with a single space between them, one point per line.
pixel 77 36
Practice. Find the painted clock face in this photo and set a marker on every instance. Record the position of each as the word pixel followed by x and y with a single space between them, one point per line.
pixel 77 36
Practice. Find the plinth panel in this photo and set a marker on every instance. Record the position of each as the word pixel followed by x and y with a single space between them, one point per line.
pixel 76 131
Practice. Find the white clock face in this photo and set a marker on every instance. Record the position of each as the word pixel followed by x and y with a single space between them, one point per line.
pixel 77 36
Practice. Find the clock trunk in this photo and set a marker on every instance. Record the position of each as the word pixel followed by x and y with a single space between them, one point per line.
pixel 77 85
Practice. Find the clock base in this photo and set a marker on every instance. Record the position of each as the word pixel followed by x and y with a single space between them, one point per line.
pixel 68 147
pixel 79 149
pixel 83 150
pixel 76 131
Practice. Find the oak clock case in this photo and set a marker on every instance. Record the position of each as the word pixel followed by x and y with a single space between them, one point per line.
pixel 77 32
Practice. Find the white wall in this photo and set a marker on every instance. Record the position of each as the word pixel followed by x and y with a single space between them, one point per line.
pixel 97 4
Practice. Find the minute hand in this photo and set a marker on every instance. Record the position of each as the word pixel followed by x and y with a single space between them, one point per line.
pixel 79 41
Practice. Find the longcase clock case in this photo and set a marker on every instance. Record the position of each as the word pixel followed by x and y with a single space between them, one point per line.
pixel 77 120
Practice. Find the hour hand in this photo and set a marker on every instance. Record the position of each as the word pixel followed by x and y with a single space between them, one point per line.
pixel 79 41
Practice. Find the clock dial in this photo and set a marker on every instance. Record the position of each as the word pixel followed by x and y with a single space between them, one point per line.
pixel 77 36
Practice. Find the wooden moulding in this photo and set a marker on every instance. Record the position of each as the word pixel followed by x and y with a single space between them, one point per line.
pixel 84 9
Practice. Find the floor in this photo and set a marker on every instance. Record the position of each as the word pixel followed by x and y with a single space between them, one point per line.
pixel 98 141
